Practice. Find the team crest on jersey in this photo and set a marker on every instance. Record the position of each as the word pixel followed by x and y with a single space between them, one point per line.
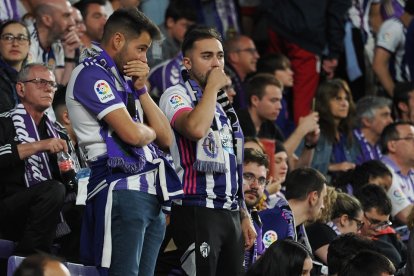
pixel 269 237
pixel 204 249
pixel 176 101
pixel 209 146
pixel 103 91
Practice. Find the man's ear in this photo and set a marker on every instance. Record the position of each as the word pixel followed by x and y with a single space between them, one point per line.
pixel 65 117
pixel 187 63
pixel 392 146
pixel 403 107
pixel 313 198
pixel 47 20
pixel 343 219
pixel 232 57
pixel 118 41
pixel 169 22
pixel 254 100
pixel 366 122
pixel 20 89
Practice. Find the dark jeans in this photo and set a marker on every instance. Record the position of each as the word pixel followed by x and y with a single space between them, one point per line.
pixel 31 215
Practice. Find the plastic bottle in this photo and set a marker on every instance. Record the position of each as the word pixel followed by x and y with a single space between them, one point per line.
pixel 67 170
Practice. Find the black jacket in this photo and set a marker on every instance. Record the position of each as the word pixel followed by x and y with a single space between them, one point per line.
pixel 311 24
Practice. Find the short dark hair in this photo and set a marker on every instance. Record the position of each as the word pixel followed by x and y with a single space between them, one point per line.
pixel 130 22
pixel 390 133
pixel 83 6
pixel 367 262
pixel 255 156
pixel 257 84
pixel 196 34
pixel 300 182
pixel 178 9
pixel 373 196
pixel 345 247
pixel 401 94
pixel 272 62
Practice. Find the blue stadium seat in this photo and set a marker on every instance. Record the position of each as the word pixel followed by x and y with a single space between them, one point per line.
pixel 6 248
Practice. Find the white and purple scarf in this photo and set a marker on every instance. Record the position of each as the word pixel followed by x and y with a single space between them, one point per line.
pixel 215 162
pixel 37 165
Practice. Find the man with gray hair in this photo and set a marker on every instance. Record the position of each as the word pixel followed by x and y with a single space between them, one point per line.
pixel 373 114
pixel 31 193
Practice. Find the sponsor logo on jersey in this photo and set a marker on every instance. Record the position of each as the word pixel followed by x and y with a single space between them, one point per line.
pixel 103 91
pixel 269 237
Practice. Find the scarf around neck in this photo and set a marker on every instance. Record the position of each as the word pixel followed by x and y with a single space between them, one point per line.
pixel 213 160
pixel 37 167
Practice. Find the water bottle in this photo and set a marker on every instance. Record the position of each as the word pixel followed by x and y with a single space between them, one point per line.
pixel 67 171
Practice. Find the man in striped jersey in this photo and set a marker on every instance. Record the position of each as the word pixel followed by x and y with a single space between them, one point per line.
pixel 209 223
pixel 107 100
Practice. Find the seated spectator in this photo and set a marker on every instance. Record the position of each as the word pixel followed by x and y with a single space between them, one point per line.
pixel 373 114
pixel 343 248
pixel 377 227
pixel 264 93
pixel 282 258
pixel 41 265
pixel 335 151
pixel 179 16
pixel 253 143
pixel 94 18
pixel 241 59
pixel 305 190
pixel 403 101
pixel 14 49
pixel 345 216
pixel 255 166
pixel 397 142
pixel 54 40
pixel 32 195
pixel 368 263
pixel 373 172
pixel 279 66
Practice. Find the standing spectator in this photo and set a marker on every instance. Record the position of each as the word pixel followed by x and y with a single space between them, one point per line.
pixel 305 191
pixel 389 63
pixel 373 114
pixel 303 31
pixel 179 16
pixel 207 152
pixel 32 194
pixel 53 38
pixel 14 48
pixel 123 225
pixel 397 142
pixel 403 101
pixel 283 257
pixel 255 166
pixel 241 59
pixel 94 17
pixel 335 151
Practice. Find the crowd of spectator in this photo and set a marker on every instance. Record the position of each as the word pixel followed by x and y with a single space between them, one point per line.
pixel 208 137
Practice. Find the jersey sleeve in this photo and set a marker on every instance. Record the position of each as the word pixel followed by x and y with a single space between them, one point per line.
pixel 96 90
pixel 174 101
pixel 390 35
pixel 399 200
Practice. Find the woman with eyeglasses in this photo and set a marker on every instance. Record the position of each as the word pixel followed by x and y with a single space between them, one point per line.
pixel 342 214
pixel 14 50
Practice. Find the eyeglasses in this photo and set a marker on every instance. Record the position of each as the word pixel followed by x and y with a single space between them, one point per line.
pixel 409 138
pixel 251 51
pixel 42 83
pixel 359 223
pixel 377 224
pixel 9 38
pixel 251 178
